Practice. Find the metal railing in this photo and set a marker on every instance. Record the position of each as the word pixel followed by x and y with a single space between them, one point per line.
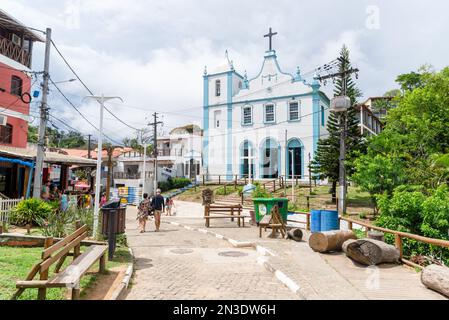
pixel 6 206
pixel 14 52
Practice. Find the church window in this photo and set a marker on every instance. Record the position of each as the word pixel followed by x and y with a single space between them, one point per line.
pixel 269 113
pixel 322 116
pixel 217 118
pixel 293 111
pixel 217 88
pixel 247 115
pixel 240 84
pixel 6 134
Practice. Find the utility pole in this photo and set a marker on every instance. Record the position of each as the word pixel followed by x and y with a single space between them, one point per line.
pixel 109 179
pixel 154 124
pixel 285 169
pixel 343 75
pixel 310 175
pixel 37 186
pixel 88 146
pixel 100 99
pixel 144 169
pixel 293 174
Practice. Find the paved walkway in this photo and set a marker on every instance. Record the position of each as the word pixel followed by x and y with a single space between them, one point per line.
pixel 319 276
pixel 181 264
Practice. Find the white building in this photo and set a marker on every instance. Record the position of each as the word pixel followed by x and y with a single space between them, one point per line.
pixel 246 121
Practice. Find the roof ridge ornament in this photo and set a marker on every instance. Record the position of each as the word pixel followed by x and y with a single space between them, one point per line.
pixel 205 70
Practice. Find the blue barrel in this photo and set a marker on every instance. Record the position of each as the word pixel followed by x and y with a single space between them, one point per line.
pixel 329 220
pixel 315 220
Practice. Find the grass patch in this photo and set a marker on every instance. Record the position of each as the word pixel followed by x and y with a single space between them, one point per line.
pixel 16 262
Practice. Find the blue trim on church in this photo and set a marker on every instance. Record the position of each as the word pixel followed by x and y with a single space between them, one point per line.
pixel 206 123
pixel 316 114
pixel 229 128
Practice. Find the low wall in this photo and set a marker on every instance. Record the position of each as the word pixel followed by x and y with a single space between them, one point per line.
pixel 21 240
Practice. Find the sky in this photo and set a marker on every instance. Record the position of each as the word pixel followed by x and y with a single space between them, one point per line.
pixel 153 53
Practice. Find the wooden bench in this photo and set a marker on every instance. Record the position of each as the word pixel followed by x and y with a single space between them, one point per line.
pixel 273 221
pixel 70 276
pixel 223 213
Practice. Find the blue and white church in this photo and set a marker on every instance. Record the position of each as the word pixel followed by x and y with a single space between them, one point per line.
pixel 264 127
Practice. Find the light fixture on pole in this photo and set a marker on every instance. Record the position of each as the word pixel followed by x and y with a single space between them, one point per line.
pixel 341 104
pixel 70 80
pixel 101 100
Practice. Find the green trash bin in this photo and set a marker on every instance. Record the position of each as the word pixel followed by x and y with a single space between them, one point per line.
pixel 262 206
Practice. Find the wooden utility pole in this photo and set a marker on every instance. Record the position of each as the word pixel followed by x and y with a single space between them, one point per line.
pixel 154 124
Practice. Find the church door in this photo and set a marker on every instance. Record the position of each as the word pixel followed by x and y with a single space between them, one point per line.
pixel 247 160
pixel 269 159
pixel 294 156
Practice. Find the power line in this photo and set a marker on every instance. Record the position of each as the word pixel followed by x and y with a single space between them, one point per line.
pixel 77 110
pixel 85 86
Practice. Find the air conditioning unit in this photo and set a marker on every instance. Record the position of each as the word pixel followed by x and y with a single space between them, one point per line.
pixel 16 39
pixel 3 120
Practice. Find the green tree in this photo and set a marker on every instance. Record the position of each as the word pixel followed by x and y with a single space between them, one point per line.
pixel 326 160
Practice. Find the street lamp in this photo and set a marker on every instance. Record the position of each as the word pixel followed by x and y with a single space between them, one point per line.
pixel 341 104
pixel 293 175
pixel 70 80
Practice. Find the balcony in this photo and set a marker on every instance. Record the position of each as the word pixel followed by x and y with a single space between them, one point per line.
pixel 14 52
pixel 133 176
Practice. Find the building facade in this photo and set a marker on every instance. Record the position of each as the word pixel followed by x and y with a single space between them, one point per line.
pixel 264 127
pixel 16 47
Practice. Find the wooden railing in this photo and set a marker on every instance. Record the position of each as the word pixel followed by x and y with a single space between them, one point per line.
pixel 398 235
pixel 14 52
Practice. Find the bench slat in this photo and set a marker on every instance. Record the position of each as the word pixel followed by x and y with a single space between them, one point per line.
pixel 58 245
pixel 72 274
pixel 47 263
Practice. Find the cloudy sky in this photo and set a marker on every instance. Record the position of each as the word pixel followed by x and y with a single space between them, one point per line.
pixel 153 53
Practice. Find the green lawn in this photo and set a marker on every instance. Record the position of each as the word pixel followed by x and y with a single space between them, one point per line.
pixel 16 262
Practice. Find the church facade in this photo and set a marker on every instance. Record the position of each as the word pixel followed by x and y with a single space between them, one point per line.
pixel 264 127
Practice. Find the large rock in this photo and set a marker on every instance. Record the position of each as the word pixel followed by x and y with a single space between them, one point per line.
pixel 436 277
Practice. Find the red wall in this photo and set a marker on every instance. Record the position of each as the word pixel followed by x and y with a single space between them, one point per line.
pixel 14 103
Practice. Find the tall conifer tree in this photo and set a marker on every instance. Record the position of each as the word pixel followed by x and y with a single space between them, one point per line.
pixel 326 160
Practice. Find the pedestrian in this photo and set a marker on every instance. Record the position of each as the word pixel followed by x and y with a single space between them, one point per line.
pixel 103 199
pixel 168 206
pixel 142 212
pixel 157 203
pixel 45 192
pixel 65 201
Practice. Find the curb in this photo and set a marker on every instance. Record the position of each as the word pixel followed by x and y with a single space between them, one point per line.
pixel 125 282
pixel 261 260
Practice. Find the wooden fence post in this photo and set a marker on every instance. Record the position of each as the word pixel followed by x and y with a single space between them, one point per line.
pixel 308 221
pixel 235 183
pixel 219 180
pixel 225 192
pixel 274 185
pixel 350 225
pixel 43 274
pixel 203 180
pixel 308 203
pixel 398 244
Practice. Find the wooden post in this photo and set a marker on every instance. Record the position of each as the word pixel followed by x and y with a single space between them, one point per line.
pixel 219 180
pixel 350 225
pixel 308 221
pixel 274 185
pixel 398 244
pixel 296 180
pixel 308 203
pixel 232 214
pixel 225 192
pixel 367 229
pixel 109 176
pixel 206 214
pixel 28 227
pixel 241 196
pixel 245 181
pixel 1 229
pixel 235 183
pixel 103 264
pixel 203 180
pixel 43 274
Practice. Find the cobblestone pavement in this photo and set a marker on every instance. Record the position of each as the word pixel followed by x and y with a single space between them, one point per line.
pixel 180 264
pixel 319 276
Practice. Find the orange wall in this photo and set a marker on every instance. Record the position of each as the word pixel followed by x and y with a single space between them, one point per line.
pixel 14 103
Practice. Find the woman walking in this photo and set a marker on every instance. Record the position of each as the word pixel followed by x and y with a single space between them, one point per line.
pixel 168 206
pixel 142 212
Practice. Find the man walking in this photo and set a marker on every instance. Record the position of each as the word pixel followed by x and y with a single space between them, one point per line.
pixel 157 203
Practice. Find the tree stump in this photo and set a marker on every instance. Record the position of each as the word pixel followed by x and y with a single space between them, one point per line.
pixel 376 235
pixel 295 234
pixel 436 277
pixel 207 195
pixel 370 252
pixel 330 240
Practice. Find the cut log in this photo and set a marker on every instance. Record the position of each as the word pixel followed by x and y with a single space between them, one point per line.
pixel 330 240
pixel 436 277
pixel 371 252
pixel 295 234
pixel 376 235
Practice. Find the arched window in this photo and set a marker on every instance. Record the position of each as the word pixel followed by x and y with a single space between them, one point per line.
pixel 322 116
pixel 16 86
pixel 217 88
pixel 6 134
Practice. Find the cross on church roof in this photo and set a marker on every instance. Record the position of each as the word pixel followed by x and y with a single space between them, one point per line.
pixel 270 35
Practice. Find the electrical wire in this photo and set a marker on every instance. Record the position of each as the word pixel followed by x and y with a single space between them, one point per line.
pixel 85 86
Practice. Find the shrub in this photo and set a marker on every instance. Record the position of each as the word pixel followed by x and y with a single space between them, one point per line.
pixel 221 191
pixel 29 212
pixel 180 182
pixel 55 223
pixel 261 193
